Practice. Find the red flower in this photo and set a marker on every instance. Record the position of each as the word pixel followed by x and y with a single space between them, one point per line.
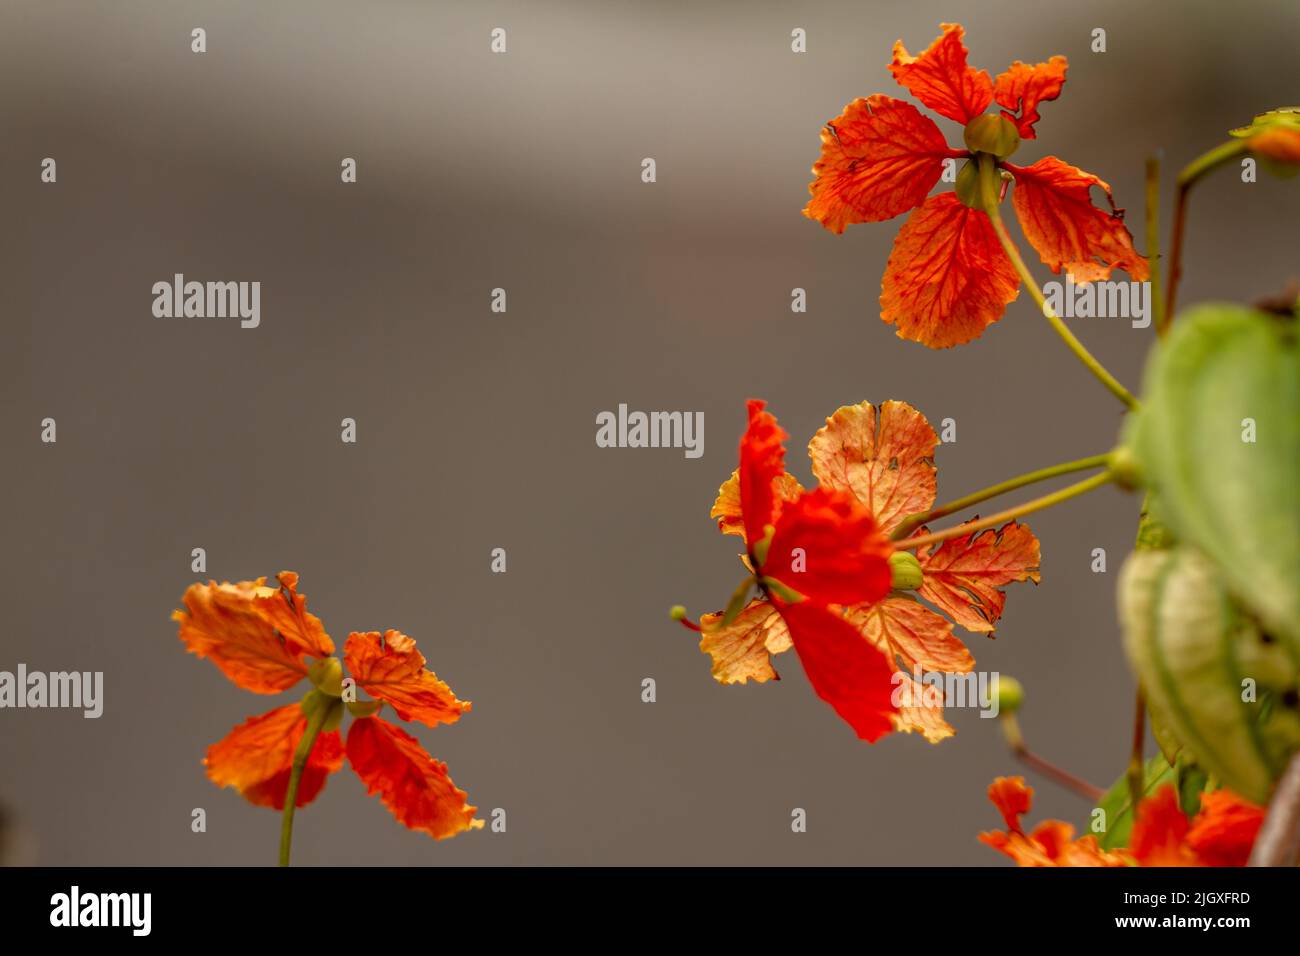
pixel 948 277
pixel 853 636
pixel 261 638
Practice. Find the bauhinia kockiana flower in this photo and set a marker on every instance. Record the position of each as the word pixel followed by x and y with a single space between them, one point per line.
pixel 264 640
pixel 949 276
pixel 1221 833
pixel 832 583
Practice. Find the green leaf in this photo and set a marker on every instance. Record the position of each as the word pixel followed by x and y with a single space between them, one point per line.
pixel 1117 807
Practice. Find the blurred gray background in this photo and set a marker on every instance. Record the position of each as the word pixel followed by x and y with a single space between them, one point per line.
pixel 476 430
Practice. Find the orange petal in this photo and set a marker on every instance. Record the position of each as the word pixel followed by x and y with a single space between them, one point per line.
pixel 1159 836
pixel 845 671
pixel 919 640
pixel 879 158
pixel 227 624
pixel 286 609
pixel 887 468
pixel 1054 203
pixel 392 669
pixel 1013 798
pixel 830 549
pixel 947 279
pixel 941 79
pixel 964 575
pixel 1022 87
pixel 762 463
pixel 727 508
pixel 256 758
pixel 742 651
pixel 1051 843
pixel 1280 143
pixel 414 787
pixel 1224 831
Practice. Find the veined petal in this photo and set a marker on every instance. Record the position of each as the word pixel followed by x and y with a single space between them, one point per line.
pixel 947 279
pixel 963 576
pixel 413 786
pixel 1053 201
pixel 227 624
pixel 256 758
pixel 879 158
pixel 847 672
pixel 286 609
pixel 941 78
pixel 1022 87
pixel 1051 843
pixel 390 668
pixel 830 549
pixel 742 651
pixel 884 461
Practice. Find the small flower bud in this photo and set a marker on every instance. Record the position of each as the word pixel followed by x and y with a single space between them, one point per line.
pixel 906 570
pixel 327 675
pixel 991 133
pixel 968 186
pixel 1010 695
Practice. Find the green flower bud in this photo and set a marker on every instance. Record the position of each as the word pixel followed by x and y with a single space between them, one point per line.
pixel 1011 695
pixel 968 186
pixel 327 675
pixel 677 612
pixel 906 571
pixel 991 133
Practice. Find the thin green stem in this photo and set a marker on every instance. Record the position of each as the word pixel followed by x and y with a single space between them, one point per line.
pixel 1201 166
pixel 1153 245
pixel 912 522
pixel 989 190
pixel 1029 507
pixel 314 724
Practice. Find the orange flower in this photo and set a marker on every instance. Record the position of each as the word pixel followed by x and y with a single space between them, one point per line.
pixel 1051 843
pixel 1221 834
pixel 948 277
pixel 874 470
pixel 261 638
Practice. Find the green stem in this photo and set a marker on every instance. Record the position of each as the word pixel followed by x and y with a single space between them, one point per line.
pixel 1153 245
pixel 1201 166
pixel 1029 507
pixel 912 522
pixel 989 188
pixel 314 724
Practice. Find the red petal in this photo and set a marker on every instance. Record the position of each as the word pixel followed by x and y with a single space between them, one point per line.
pixel 414 787
pixel 947 279
pixel 1054 203
pixel 1159 836
pixel 1022 87
pixel 844 669
pixel 941 79
pixel 1224 831
pixel 842 555
pixel 880 157
pixel 762 461
pixel 392 669
pixel 256 758
pixel 1012 798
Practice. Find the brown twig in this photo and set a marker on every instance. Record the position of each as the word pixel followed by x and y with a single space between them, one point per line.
pixel 1278 843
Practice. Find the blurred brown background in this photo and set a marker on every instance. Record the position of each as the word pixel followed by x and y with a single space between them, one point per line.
pixel 476 430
